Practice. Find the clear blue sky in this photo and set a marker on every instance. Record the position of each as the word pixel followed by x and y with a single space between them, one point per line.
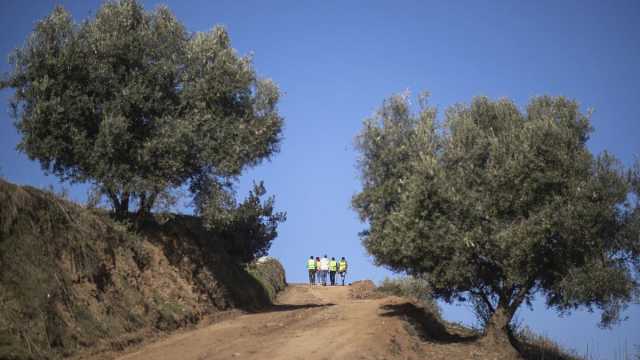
pixel 337 60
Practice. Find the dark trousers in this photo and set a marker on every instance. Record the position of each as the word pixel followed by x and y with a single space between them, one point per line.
pixel 343 274
pixel 332 277
pixel 312 277
pixel 323 277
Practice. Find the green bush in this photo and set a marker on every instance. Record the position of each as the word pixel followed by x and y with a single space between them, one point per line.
pixel 270 274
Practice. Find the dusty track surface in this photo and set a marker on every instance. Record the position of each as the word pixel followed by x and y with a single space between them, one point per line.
pixel 307 323
pixel 311 323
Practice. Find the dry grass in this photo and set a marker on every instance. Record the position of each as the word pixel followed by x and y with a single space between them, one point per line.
pixel 535 346
pixel 412 288
pixel 363 289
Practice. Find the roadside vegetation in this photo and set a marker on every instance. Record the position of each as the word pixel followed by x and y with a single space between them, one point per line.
pixel 413 288
pixel 73 280
pixel 427 322
pixel 149 114
pixel 145 111
pixel 494 205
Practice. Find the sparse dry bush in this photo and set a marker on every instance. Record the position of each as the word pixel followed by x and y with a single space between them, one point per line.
pixel 364 289
pixel 414 288
pixel 533 346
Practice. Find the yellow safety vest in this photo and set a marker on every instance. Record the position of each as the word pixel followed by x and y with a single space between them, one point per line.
pixel 311 264
pixel 343 266
pixel 333 265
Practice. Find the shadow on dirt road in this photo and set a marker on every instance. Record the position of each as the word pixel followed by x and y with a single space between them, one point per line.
pixel 290 307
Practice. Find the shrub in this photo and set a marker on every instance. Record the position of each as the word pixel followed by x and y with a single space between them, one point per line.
pixel 536 346
pixel 414 288
pixel 248 227
pixel 270 274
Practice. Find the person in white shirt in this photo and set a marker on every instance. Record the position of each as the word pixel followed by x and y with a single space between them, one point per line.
pixel 324 268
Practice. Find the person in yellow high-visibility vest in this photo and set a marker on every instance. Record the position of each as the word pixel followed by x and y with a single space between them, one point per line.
pixel 333 267
pixel 311 266
pixel 342 269
pixel 318 272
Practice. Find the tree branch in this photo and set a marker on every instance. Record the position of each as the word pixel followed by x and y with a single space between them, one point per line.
pixel 522 294
pixel 115 202
pixel 486 300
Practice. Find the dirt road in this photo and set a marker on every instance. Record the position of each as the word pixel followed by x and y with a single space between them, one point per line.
pixel 307 323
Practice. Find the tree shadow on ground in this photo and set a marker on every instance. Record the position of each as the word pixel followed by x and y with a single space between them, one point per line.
pixel 428 326
pixel 290 307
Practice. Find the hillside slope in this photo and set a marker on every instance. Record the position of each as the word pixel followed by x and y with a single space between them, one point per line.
pixel 72 280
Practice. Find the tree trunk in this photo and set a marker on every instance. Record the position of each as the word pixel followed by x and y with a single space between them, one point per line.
pixel 497 334
pixel 121 207
pixel 120 203
pixel 146 204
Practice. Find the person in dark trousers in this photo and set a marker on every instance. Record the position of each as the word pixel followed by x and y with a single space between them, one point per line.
pixel 324 269
pixel 333 268
pixel 311 266
pixel 318 272
pixel 342 269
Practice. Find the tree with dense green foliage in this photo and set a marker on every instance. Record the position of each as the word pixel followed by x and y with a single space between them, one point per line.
pixel 499 205
pixel 248 227
pixel 136 105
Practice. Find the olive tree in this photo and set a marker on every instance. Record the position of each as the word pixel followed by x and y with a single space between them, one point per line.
pixel 499 205
pixel 134 104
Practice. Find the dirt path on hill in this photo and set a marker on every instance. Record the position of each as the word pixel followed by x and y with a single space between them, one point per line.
pixel 312 323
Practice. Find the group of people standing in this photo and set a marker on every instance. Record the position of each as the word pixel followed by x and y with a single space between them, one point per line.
pixel 318 269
